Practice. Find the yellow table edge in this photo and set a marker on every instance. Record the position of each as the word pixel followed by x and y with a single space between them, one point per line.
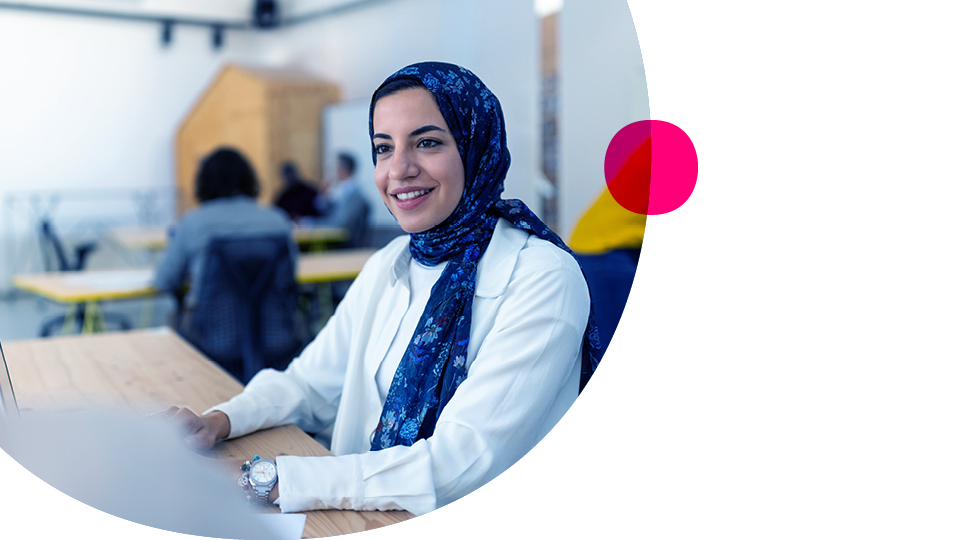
pixel 82 297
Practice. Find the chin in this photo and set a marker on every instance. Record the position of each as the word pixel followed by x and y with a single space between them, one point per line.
pixel 413 225
pixel 413 229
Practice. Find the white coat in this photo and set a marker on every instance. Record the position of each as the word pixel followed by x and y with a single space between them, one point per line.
pixel 529 316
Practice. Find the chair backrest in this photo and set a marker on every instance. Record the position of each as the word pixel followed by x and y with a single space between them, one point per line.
pixel 358 234
pixel 357 224
pixel 50 242
pixel 246 314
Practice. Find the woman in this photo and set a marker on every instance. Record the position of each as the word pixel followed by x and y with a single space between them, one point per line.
pixel 456 349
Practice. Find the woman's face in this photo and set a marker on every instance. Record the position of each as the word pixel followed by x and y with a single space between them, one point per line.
pixel 419 172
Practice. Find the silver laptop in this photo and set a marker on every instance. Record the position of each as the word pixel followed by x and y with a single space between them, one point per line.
pixel 8 401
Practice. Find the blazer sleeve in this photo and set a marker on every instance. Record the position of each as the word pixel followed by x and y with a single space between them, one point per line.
pixel 527 363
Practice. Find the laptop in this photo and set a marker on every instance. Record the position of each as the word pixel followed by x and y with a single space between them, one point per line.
pixel 8 401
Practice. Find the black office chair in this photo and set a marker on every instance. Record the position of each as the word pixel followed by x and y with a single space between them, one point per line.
pixel 246 315
pixel 55 260
pixel 53 248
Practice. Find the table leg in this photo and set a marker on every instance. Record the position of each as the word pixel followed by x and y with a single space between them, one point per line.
pixel 146 312
pixel 69 319
pixel 325 297
pixel 93 321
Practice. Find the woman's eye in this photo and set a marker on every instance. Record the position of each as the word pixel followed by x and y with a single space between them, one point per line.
pixel 381 148
pixel 428 143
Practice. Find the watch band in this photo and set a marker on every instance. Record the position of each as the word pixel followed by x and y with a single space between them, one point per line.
pixel 262 493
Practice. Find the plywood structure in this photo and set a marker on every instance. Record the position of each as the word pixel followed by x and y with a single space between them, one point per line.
pixel 271 116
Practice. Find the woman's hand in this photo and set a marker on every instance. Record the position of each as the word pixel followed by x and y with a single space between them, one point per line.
pixel 201 432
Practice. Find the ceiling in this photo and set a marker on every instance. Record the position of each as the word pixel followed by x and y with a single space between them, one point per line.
pixel 230 13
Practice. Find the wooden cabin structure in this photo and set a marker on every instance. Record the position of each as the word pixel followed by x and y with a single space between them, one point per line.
pixel 271 116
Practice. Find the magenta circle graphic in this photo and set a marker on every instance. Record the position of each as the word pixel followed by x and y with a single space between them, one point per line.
pixel 651 167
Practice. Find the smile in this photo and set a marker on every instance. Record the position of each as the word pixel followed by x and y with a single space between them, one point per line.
pixel 412 194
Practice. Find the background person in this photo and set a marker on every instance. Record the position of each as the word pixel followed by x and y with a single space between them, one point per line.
pixel 298 198
pixel 226 188
pixel 341 204
pixel 457 348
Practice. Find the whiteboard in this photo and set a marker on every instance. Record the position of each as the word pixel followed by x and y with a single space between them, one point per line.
pixel 345 129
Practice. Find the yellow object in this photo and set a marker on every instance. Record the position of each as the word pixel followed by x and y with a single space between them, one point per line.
pixel 605 226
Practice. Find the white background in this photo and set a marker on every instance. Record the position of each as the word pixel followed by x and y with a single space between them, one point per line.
pixel 786 367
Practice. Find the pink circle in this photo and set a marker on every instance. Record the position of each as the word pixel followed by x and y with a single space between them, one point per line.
pixel 651 167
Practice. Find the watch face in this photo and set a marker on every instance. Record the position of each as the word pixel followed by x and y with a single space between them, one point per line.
pixel 263 472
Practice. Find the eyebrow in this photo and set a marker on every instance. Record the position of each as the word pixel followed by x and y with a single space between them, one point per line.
pixel 414 133
pixel 425 129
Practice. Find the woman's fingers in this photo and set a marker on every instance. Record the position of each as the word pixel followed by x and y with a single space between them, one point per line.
pixel 199 441
pixel 200 433
pixel 187 420
pixel 165 415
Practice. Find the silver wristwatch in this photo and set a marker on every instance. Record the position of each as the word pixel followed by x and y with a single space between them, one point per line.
pixel 260 475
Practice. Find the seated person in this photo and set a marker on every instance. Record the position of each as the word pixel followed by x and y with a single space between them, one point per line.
pixel 298 198
pixel 457 348
pixel 226 188
pixel 342 204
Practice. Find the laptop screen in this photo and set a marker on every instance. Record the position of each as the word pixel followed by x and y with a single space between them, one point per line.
pixel 8 402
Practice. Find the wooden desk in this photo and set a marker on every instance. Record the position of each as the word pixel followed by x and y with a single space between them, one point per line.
pixel 147 371
pixel 155 239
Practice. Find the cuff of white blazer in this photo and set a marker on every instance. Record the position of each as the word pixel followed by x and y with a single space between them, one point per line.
pixel 355 482
pixel 240 422
pixel 319 483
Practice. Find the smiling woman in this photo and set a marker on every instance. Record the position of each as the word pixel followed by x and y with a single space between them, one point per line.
pixel 418 169
pixel 456 349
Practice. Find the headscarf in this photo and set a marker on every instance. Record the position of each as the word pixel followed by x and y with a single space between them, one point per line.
pixel 434 364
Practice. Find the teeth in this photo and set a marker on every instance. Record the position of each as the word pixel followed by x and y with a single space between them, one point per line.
pixel 412 194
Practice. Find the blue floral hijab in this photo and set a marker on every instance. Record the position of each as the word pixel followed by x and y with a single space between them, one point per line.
pixel 434 363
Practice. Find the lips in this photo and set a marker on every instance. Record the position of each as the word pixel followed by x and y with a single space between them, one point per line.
pixel 408 199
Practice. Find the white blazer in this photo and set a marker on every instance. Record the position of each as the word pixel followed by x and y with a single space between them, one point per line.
pixel 529 316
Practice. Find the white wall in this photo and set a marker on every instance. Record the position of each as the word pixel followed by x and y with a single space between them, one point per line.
pixel 89 107
pixel 358 49
pixel 95 103
pixel 89 103
pixel 602 89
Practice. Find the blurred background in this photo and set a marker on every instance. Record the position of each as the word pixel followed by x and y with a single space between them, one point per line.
pixel 107 105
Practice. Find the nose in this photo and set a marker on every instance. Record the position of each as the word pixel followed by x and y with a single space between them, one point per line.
pixel 403 164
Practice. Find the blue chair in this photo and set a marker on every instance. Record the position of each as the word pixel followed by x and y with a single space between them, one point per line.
pixel 246 317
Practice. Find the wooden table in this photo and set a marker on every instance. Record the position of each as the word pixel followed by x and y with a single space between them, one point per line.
pixel 155 239
pixel 146 371
pixel 91 287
